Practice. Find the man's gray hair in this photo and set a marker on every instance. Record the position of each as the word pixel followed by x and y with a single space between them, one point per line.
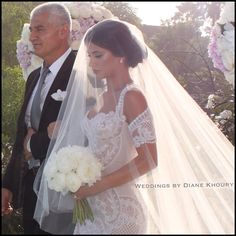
pixel 56 9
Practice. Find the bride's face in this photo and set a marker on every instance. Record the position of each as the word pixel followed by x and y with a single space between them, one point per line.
pixel 103 63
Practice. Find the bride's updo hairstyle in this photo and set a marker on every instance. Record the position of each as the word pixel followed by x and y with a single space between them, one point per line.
pixel 117 38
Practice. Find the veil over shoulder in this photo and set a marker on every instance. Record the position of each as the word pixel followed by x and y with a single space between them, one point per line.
pixel 192 188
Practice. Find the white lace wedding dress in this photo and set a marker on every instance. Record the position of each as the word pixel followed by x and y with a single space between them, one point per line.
pixel 118 210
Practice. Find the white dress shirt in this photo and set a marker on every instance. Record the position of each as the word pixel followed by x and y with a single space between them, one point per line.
pixel 54 68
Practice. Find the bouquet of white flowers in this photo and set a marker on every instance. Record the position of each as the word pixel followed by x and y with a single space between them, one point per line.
pixel 69 169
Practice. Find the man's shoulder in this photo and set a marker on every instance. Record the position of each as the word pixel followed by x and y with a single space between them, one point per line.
pixel 69 62
pixel 33 74
pixel 71 57
pixel 74 53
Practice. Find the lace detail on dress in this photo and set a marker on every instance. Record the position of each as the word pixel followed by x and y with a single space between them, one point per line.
pixel 120 104
pixel 114 215
pixel 103 132
pixel 131 219
pixel 118 210
pixel 106 209
pixel 142 129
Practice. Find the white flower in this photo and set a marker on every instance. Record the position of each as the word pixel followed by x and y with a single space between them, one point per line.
pixel 211 101
pixel 106 13
pixel 63 165
pixel 89 171
pixel 63 174
pixel 73 182
pixel 75 25
pixel 36 61
pixel 59 95
pixel 226 114
pixel 57 182
pixel 84 11
pixel 72 9
pixel 228 27
pixel 97 15
pixel 211 97
pixel 50 169
pixel 230 77
pixel 210 104
pixel 25 32
pixel 72 167
pixel 222 122
pixel 227 14
pixel 221 46
pixel 75 44
pixel 74 13
pixel 226 47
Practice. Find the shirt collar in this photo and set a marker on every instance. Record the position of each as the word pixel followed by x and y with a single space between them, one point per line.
pixel 56 65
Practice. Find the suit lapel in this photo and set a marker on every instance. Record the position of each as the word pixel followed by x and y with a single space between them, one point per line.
pixel 62 76
pixel 30 89
pixel 32 86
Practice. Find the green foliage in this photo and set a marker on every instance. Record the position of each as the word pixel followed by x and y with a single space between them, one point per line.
pixel 123 11
pixel 196 12
pixel 224 101
pixel 12 95
pixel 178 45
pixel 14 15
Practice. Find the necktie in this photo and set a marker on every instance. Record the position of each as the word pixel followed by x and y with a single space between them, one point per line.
pixel 35 109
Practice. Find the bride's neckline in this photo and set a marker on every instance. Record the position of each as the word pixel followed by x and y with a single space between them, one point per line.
pixel 123 87
pixel 111 111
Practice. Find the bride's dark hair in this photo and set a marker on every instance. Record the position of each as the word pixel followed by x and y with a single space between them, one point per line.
pixel 117 38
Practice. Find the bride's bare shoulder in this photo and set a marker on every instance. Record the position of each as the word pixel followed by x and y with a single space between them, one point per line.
pixel 134 104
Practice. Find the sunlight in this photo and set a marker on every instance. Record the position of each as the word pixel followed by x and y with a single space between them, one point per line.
pixel 151 13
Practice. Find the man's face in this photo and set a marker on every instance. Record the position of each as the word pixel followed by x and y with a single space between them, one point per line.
pixel 45 35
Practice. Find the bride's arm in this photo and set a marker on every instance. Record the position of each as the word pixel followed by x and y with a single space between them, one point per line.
pixel 137 167
pixel 146 159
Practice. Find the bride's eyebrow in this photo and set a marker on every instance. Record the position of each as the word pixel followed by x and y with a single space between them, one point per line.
pixel 95 52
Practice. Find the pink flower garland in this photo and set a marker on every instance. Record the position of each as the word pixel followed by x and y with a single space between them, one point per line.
pixel 213 51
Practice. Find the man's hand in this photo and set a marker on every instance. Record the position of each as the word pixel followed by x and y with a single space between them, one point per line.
pixel 52 129
pixel 27 154
pixel 6 199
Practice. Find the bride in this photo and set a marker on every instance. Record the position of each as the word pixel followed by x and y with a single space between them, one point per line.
pixel 166 167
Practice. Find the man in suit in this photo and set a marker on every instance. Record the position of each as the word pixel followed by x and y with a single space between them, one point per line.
pixel 50 26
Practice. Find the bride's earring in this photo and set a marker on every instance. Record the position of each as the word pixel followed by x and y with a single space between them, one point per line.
pixel 122 60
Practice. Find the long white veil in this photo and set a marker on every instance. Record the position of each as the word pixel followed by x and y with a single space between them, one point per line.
pixel 192 188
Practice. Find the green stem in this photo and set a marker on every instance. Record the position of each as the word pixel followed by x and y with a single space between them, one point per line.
pixel 82 211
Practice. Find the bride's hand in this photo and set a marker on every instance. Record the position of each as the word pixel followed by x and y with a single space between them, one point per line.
pixel 53 129
pixel 86 191
pixel 83 192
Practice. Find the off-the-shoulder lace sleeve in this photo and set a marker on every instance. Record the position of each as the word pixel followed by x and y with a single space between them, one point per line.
pixel 142 129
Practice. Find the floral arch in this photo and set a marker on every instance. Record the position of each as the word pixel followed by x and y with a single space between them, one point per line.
pixel 221 46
